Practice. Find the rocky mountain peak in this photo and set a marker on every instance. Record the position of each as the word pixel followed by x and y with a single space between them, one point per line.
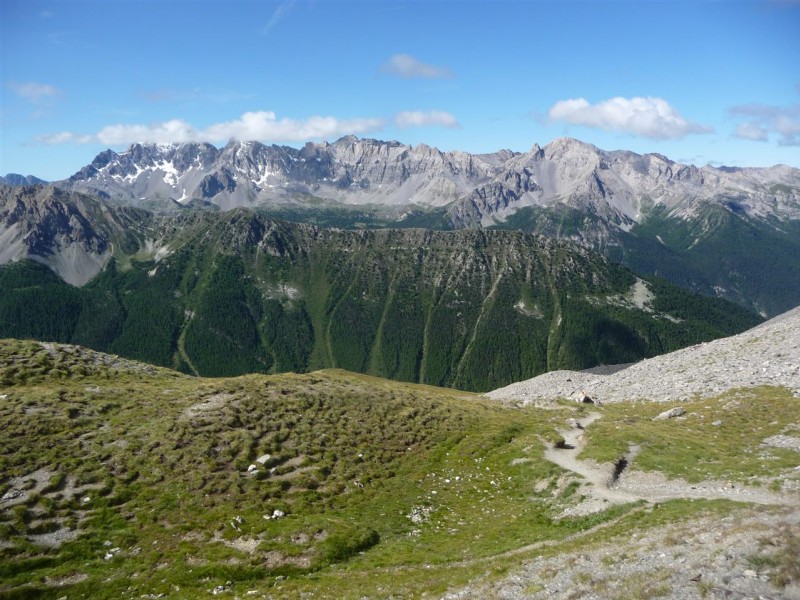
pixel 566 145
pixel 17 179
pixel 477 188
pixel 71 233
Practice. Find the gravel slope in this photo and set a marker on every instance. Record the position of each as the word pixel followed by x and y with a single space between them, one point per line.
pixel 765 355
pixel 707 558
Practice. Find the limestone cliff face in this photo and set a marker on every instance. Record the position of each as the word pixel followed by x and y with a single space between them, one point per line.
pixel 623 187
pixel 620 187
pixel 351 170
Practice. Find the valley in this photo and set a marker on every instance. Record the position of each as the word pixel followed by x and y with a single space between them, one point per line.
pixel 222 294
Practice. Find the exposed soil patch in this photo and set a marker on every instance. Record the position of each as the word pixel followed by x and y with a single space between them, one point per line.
pixel 211 403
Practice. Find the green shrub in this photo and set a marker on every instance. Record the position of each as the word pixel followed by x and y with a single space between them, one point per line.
pixel 341 545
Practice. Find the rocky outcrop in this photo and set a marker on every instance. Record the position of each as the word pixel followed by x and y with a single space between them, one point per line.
pixel 670 414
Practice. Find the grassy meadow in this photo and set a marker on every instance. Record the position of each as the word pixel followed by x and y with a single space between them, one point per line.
pixel 124 480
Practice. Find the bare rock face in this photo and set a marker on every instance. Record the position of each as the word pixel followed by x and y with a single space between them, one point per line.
pixel 619 187
pixel 351 170
pixel 623 187
pixel 71 233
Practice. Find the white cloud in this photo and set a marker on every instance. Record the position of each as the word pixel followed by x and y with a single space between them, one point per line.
pixel 408 67
pixel 783 120
pixel 645 116
pixel 34 92
pixel 751 131
pixel 432 118
pixel 261 125
pixel 170 131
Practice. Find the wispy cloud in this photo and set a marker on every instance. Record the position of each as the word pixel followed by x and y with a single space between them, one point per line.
pixel 278 14
pixel 408 67
pixel 751 131
pixel 34 92
pixel 260 125
pixel 644 116
pixel 216 96
pixel 418 118
pixel 765 119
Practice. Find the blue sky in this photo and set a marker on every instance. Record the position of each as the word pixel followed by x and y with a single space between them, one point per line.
pixel 703 82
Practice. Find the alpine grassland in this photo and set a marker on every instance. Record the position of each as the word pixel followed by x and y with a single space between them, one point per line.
pixel 124 479
pixel 718 438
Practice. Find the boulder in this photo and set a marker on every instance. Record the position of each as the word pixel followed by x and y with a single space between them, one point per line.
pixel 671 413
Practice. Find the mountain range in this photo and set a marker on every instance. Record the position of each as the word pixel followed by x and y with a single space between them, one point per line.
pixel 730 232
pixel 17 179
pixel 477 189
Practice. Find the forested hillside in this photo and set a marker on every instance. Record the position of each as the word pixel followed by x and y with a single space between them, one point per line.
pixel 232 293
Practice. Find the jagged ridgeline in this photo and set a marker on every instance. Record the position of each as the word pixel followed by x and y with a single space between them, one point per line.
pixel 231 293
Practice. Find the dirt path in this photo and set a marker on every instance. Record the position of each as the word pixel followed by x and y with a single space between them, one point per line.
pixel 630 486
pixel 598 476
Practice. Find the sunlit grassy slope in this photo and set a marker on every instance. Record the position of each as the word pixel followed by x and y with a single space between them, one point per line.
pixel 119 480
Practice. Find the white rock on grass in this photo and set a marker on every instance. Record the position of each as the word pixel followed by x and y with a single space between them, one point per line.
pixel 670 414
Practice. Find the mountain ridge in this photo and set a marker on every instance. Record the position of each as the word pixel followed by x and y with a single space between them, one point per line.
pixel 354 171
pixel 716 231
pixel 17 179
pixel 236 292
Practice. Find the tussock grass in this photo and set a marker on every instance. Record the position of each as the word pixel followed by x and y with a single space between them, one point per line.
pixel 780 556
pixel 150 483
pixel 718 438
pixel 156 477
